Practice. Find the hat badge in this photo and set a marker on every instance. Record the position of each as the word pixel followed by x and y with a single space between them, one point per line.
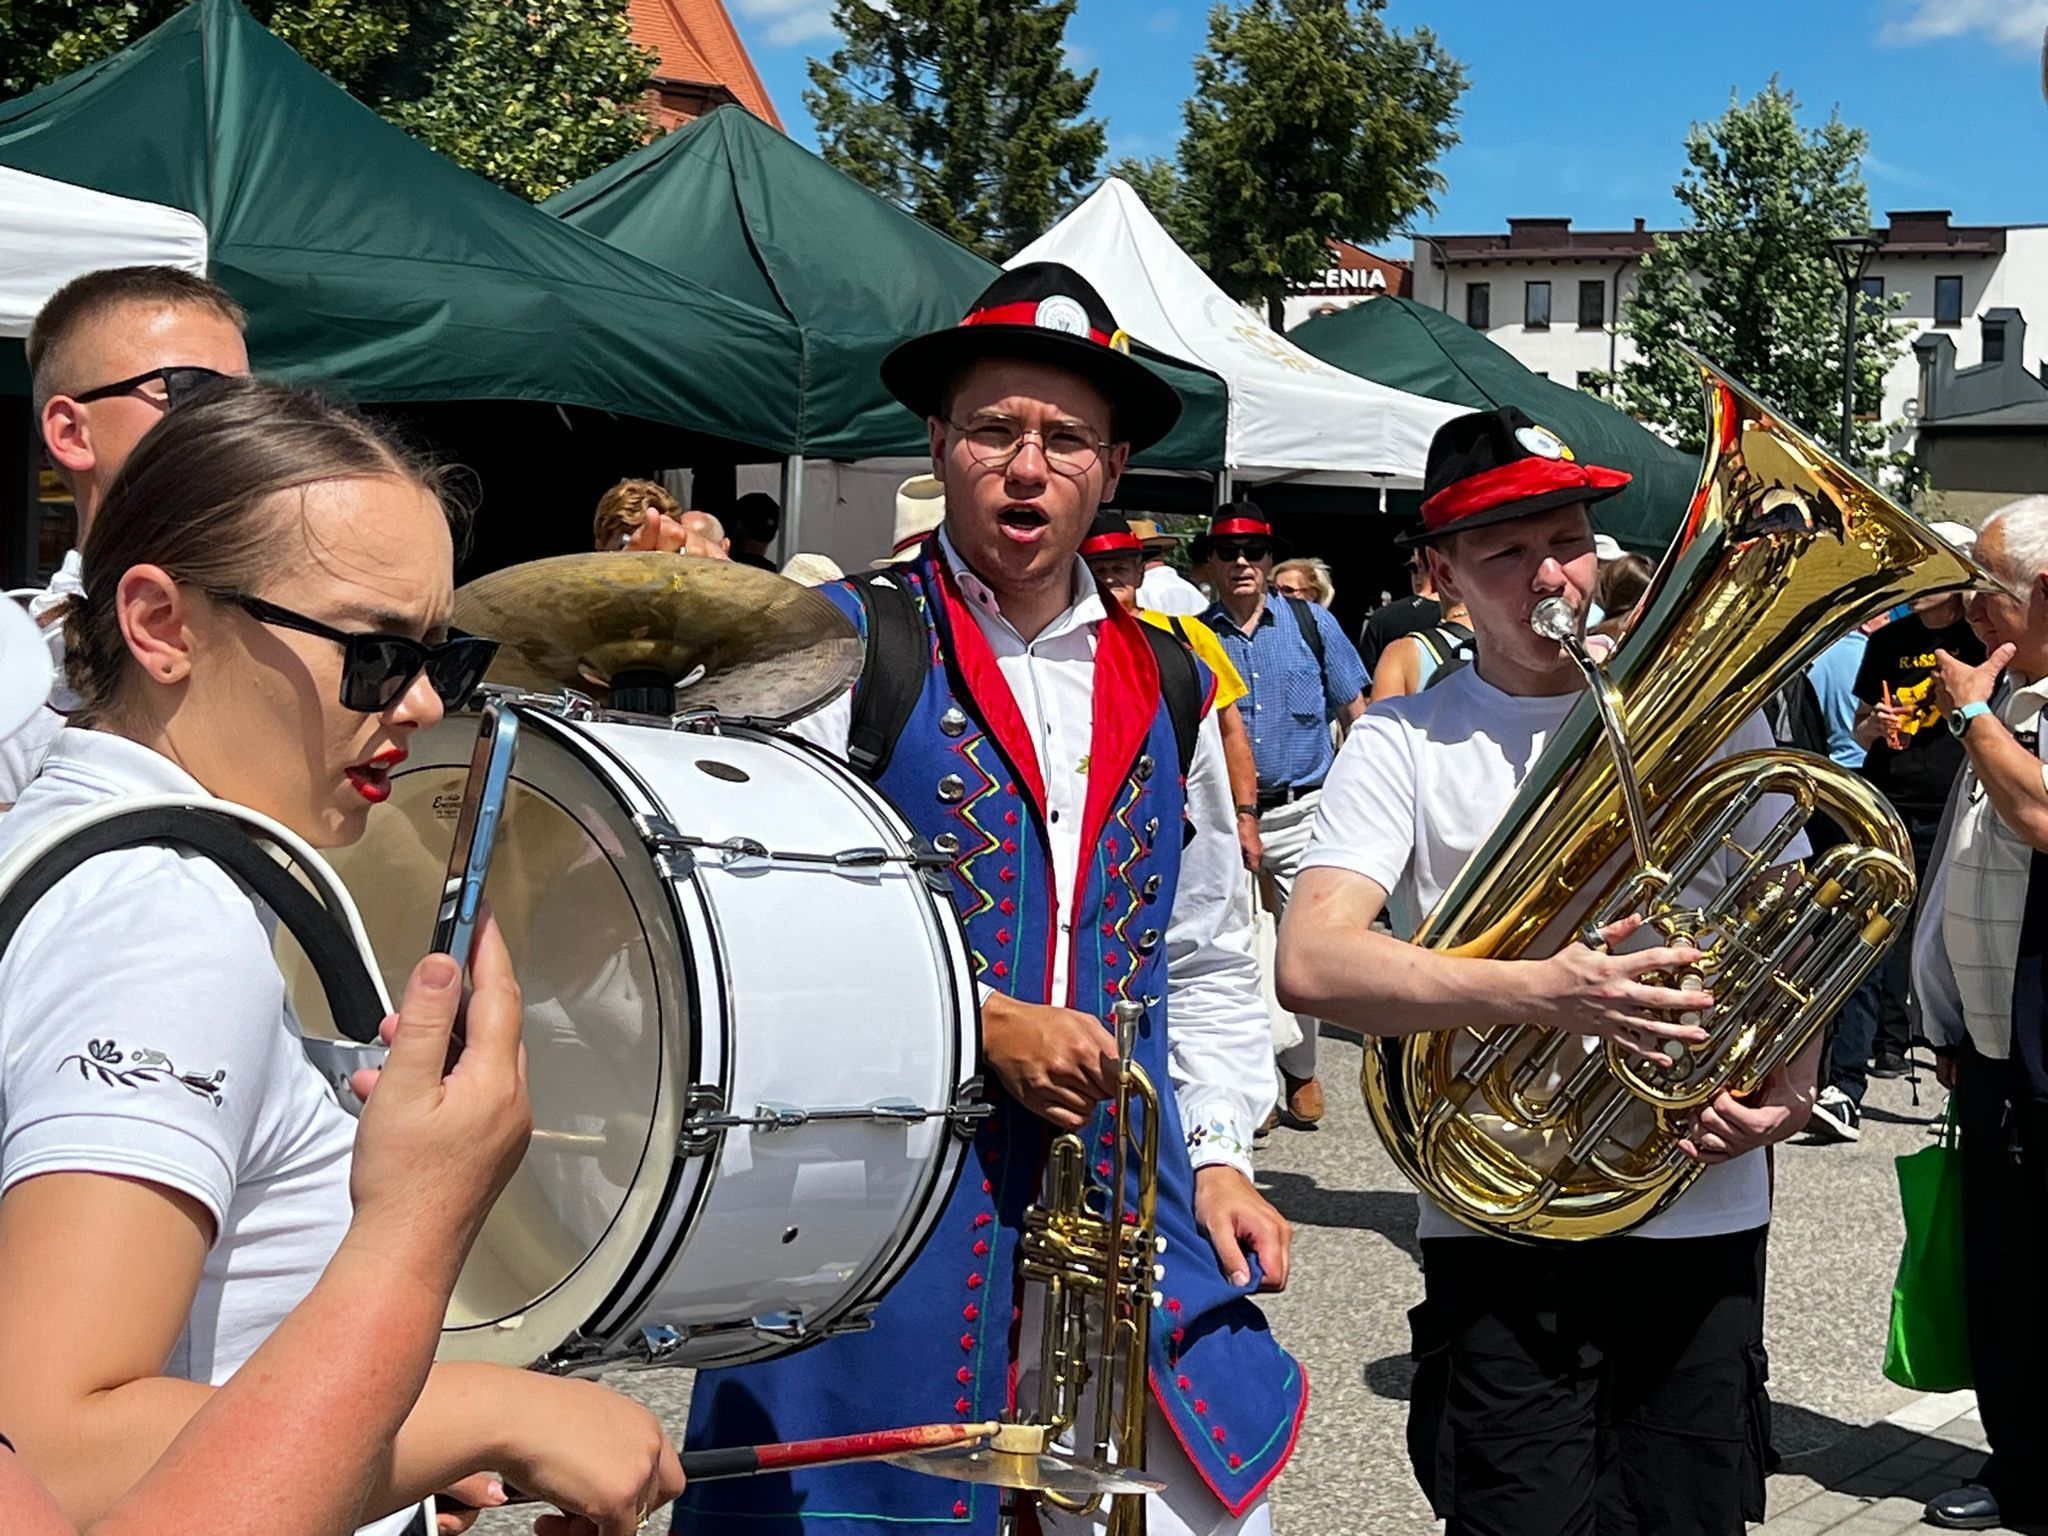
pixel 1543 443
pixel 1062 314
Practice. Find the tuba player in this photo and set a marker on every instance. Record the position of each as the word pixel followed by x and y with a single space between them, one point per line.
pixel 1607 1386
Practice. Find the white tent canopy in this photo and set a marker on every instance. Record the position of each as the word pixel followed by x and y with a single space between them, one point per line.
pixel 51 231
pixel 1292 416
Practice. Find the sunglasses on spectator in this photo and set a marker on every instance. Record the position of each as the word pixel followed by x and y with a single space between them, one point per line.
pixel 1251 551
pixel 377 669
pixel 180 385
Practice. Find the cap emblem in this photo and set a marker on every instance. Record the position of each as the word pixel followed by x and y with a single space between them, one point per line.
pixel 1062 314
pixel 1543 442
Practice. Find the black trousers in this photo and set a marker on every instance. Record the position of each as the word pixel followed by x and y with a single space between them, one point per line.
pixel 2005 1257
pixel 1606 1388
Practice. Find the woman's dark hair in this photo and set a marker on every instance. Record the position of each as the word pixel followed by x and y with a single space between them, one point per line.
pixel 195 499
pixel 1620 583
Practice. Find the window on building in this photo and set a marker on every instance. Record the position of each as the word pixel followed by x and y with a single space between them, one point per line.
pixel 1536 306
pixel 1994 341
pixel 1948 301
pixel 1592 303
pixel 1479 306
pixel 1873 294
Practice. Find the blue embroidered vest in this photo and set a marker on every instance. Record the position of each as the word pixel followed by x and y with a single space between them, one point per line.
pixel 943 1346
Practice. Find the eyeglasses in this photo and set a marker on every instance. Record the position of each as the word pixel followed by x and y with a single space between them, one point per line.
pixel 1251 551
pixel 1070 449
pixel 180 385
pixel 376 669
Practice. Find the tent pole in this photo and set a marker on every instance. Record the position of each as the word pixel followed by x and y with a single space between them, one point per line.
pixel 791 541
pixel 1223 486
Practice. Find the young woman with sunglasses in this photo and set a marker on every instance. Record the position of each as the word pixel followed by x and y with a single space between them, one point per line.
pixel 265 618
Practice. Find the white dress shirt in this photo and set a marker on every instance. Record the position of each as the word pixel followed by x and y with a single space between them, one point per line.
pixel 22 753
pixel 1165 590
pixel 1984 895
pixel 1220 1053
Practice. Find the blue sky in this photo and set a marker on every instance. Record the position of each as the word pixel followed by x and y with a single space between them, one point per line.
pixel 1579 107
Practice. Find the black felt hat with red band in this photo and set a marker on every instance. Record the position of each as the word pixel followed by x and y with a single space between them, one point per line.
pixel 1111 534
pixel 1242 520
pixel 1042 312
pixel 1493 466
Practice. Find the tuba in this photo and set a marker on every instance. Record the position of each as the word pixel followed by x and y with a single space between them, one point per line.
pixel 1532 1133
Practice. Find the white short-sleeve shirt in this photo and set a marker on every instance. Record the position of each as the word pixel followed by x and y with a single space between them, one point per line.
pixel 1419 786
pixel 144 1032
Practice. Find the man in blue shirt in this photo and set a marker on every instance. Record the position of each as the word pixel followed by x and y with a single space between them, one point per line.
pixel 1302 674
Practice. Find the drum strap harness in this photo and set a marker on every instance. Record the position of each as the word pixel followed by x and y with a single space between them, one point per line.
pixel 892 674
pixel 353 995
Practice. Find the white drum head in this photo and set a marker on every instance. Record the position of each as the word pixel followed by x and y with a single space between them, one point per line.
pixel 598 958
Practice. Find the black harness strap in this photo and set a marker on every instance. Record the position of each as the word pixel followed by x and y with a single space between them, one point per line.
pixel 351 995
pixel 1181 686
pixel 891 673
pixel 1312 632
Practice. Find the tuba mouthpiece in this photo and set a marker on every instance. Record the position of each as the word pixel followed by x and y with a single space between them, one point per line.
pixel 1554 619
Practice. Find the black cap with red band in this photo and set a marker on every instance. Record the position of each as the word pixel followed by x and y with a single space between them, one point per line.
pixel 1042 312
pixel 1493 466
pixel 1242 520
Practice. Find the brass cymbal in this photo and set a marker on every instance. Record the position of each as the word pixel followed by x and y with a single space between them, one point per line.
pixel 733 639
pixel 1034 1472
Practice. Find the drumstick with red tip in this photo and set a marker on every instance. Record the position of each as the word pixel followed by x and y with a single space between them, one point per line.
pixel 786 1455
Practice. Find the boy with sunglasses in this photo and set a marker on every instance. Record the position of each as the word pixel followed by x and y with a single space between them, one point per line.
pixel 1302 673
pixel 109 354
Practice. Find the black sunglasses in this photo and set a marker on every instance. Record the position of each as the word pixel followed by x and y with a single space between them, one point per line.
pixel 377 669
pixel 1230 551
pixel 180 384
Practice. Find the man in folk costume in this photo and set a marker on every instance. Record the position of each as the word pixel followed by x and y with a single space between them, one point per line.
pixel 1039 749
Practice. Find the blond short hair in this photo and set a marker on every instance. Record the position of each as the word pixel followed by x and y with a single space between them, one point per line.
pixel 624 507
pixel 1317 573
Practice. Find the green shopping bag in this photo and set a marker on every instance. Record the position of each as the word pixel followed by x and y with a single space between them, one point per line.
pixel 1929 1346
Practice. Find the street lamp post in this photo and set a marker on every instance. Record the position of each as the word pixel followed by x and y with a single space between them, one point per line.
pixel 1852 259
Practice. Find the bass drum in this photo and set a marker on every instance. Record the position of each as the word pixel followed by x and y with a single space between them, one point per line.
pixel 750 1030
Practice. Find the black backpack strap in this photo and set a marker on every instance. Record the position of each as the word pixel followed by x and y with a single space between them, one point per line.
pixel 1312 632
pixel 891 672
pixel 351 994
pixel 1181 686
pixel 1444 642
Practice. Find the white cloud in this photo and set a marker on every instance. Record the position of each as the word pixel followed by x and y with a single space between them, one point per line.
pixel 788 22
pixel 1883 170
pixel 2015 24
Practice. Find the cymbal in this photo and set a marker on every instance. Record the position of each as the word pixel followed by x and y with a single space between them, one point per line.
pixel 1034 1472
pixel 734 639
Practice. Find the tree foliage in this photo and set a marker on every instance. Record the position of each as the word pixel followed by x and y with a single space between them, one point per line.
pixel 1311 119
pixel 1751 281
pixel 534 95
pixel 963 112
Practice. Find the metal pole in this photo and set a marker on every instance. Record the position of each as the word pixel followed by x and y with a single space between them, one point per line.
pixel 791 540
pixel 1849 369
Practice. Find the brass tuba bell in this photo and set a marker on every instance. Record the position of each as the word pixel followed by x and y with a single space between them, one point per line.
pixel 1530 1132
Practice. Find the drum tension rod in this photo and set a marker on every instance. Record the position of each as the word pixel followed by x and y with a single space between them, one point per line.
pixel 662 838
pixel 707 1118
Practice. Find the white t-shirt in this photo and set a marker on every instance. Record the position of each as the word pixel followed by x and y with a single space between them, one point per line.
pixel 1420 784
pixel 144 1032
pixel 22 751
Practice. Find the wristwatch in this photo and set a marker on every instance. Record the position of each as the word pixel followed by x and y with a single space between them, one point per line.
pixel 1248 810
pixel 1960 717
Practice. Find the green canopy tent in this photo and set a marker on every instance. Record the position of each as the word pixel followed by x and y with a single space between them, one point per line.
pixel 746 211
pixel 1427 352
pixel 372 265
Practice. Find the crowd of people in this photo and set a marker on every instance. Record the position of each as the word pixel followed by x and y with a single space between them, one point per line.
pixel 259 612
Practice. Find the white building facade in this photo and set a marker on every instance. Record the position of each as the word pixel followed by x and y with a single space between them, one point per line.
pixel 1551 295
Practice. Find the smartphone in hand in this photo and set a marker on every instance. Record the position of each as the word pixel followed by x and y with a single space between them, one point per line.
pixel 476 830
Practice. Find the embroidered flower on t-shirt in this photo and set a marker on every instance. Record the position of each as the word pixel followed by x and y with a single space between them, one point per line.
pixel 106 1061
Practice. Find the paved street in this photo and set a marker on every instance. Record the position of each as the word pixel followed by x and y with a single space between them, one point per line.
pixel 1833 1251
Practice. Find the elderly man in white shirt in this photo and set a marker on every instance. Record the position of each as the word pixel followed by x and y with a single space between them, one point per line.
pixel 1978 988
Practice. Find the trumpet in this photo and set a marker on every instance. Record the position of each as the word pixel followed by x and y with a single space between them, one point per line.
pixel 1096 1254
